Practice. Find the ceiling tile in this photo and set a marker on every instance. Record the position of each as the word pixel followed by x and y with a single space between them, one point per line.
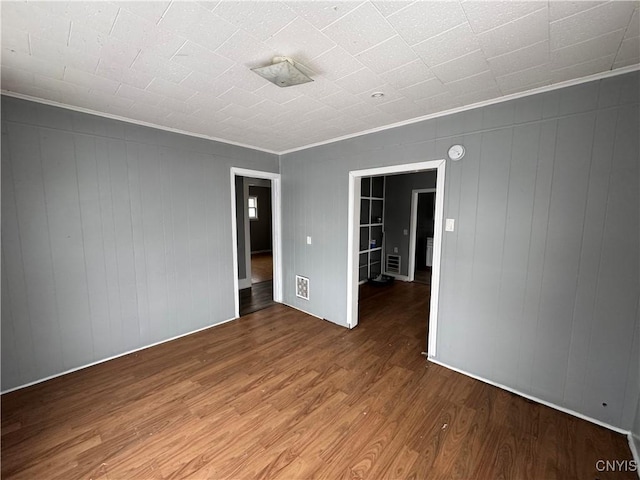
pixel 36 21
pixel 300 41
pixel 562 9
pixel 320 13
pixel 583 69
pixel 277 95
pixel 158 67
pixel 96 44
pixel 113 71
pixel 629 50
pixel 240 97
pixel 205 84
pixel 485 16
pixel 389 7
pixel 527 57
pixel 207 102
pixel 243 48
pixel 591 23
pixel 174 105
pixel 360 29
pixel 32 64
pixel 451 44
pixel 170 89
pixel 360 81
pixel 146 35
pixel 194 22
pixel 241 76
pixel 470 64
pixel 151 11
pixel 598 47
pixel 525 31
pixel 390 54
pixel 14 77
pixel 96 15
pixel 480 82
pixel 422 20
pixel 633 30
pixel 87 80
pixel 138 95
pixel 194 57
pixel 428 88
pixel 187 65
pixel 340 99
pixel 531 76
pixel 407 75
pixel 209 5
pixel 335 63
pixel 260 19
pixel 63 55
pixel 15 40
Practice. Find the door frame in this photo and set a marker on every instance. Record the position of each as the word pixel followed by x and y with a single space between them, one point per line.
pixel 353 233
pixel 413 229
pixel 276 229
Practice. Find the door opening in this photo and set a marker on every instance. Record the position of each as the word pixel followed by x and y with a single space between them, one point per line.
pixel 257 246
pixel 354 236
pixel 421 235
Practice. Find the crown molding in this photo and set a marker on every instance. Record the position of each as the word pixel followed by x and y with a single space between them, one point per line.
pixel 484 103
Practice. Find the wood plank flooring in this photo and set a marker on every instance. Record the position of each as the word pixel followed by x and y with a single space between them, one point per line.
pixel 256 297
pixel 261 267
pixel 280 394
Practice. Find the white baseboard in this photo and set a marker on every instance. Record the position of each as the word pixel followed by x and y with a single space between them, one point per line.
pixel 304 311
pixel 244 283
pixel 531 397
pixel 634 450
pixel 97 362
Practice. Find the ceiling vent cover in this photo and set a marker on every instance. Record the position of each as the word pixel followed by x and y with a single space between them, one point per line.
pixel 302 287
pixel 283 72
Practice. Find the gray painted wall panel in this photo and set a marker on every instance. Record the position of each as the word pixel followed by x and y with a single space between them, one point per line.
pixel 539 282
pixel 114 237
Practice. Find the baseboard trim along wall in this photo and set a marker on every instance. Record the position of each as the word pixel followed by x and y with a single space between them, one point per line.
pixel 531 397
pixel 308 313
pixel 244 283
pixel 50 377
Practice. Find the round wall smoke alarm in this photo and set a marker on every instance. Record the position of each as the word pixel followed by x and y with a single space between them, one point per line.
pixel 456 152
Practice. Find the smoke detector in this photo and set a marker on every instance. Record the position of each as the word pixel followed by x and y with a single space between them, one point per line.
pixel 283 72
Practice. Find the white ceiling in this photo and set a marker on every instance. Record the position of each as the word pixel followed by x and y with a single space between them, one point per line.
pixel 186 65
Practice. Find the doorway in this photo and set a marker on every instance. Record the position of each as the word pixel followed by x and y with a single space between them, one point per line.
pixel 257 245
pixel 422 230
pixel 354 230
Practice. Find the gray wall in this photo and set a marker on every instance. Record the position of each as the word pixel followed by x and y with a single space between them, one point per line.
pixel 397 211
pixel 114 236
pixel 539 282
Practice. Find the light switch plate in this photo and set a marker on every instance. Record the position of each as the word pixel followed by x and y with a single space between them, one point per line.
pixel 308 240
pixel 450 225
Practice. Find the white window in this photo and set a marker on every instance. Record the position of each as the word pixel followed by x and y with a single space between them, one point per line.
pixel 253 208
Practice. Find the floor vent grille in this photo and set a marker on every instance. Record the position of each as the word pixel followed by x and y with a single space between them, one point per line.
pixel 302 287
pixel 393 264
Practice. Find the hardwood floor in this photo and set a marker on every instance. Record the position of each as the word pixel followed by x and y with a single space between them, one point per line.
pixel 261 267
pixel 280 394
pixel 257 297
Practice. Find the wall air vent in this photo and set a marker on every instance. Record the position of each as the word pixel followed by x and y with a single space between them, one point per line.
pixel 302 287
pixel 393 264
